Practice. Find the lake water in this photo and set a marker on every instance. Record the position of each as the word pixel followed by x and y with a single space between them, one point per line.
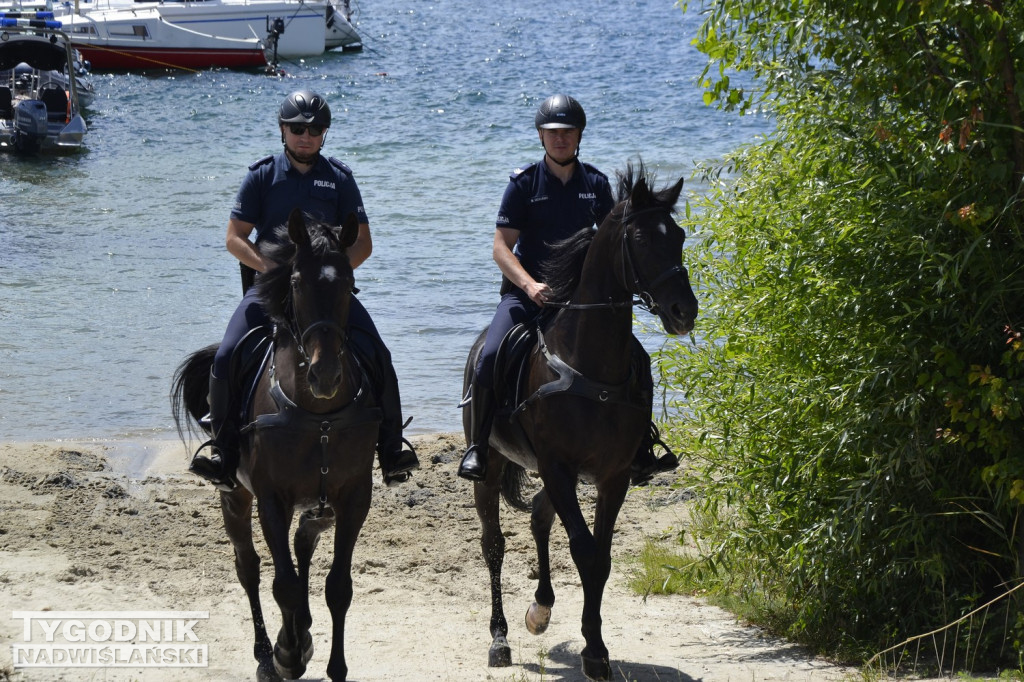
pixel 112 266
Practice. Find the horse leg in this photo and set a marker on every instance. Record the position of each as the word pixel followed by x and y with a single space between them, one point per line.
pixel 307 536
pixel 351 508
pixel 236 507
pixel 610 496
pixel 294 644
pixel 541 519
pixel 492 542
pixel 586 554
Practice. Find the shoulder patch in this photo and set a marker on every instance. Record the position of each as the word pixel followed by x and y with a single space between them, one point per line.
pixel 340 165
pixel 262 162
pixel 516 172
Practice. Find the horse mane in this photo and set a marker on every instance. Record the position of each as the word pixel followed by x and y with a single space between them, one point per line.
pixel 562 270
pixel 273 287
pixel 564 267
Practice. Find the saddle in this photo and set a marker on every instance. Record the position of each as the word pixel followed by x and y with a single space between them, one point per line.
pixel 510 364
pixel 250 357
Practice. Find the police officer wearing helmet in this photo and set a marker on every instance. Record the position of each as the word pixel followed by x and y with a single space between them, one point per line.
pixel 298 177
pixel 544 202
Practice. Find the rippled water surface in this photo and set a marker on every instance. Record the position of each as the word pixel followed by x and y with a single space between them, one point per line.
pixel 112 265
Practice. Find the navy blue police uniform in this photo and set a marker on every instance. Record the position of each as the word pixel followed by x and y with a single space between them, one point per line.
pixel 544 211
pixel 269 192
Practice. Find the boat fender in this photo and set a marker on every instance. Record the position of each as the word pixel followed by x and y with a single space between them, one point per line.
pixel 67 114
pixel 340 165
pixel 262 162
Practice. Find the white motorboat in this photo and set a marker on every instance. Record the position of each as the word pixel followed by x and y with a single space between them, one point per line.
pixel 39 91
pixel 253 18
pixel 144 39
pixel 288 29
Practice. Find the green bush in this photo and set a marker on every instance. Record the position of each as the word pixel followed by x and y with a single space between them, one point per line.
pixel 856 394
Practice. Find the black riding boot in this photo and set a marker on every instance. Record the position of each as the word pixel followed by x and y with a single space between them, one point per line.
pixel 645 464
pixel 396 461
pixel 219 467
pixel 473 466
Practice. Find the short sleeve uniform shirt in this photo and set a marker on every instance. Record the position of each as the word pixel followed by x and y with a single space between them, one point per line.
pixel 545 211
pixel 273 187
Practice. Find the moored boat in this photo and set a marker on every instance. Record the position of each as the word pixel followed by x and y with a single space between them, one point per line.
pixel 299 20
pixel 144 39
pixel 288 29
pixel 39 91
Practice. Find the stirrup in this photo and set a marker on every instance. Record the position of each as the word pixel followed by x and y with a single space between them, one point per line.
pixel 401 469
pixel 205 468
pixel 659 465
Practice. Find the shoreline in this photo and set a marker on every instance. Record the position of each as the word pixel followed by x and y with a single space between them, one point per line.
pixel 82 531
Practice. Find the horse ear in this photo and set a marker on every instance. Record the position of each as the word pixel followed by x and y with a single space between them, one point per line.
pixel 349 230
pixel 641 194
pixel 297 228
pixel 674 192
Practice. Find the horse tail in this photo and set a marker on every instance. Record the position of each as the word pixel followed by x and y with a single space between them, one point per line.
pixel 189 388
pixel 514 485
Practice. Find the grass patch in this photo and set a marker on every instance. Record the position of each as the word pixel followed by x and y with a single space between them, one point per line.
pixel 659 570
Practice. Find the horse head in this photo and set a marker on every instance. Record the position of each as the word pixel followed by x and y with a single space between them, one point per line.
pixel 652 251
pixel 309 294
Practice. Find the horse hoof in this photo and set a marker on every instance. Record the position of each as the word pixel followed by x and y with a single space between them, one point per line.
pixel 537 618
pixel 292 673
pixel 266 672
pixel 500 654
pixel 285 663
pixel 597 668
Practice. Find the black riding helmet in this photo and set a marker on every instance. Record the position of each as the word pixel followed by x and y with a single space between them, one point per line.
pixel 560 111
pixel 305 106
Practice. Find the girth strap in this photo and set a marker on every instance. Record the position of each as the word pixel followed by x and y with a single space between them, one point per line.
pixel 572 382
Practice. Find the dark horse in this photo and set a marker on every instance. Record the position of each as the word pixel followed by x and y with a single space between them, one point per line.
pixel 308 446
pixel 584 417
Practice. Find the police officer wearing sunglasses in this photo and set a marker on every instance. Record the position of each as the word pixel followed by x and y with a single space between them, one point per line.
pixel 298 177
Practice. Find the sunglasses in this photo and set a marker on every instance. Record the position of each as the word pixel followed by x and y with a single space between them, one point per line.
pixel 298 129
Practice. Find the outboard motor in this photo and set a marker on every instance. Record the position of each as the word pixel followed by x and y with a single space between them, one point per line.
pixel 275 29
pixel 29 125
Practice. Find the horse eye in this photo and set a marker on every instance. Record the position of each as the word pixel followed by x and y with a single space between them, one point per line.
pixel 295 280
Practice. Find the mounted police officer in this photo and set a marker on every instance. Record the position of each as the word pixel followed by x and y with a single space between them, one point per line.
pixel 543 203
pixel 325 189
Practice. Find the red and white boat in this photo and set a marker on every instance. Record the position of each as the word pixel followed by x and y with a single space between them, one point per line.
pixel 144 39
pixel 197 34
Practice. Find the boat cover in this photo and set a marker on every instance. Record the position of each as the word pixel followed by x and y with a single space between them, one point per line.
pixel 41 55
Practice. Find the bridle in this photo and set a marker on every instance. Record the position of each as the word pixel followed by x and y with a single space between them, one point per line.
pixel 639 289
pixel 631 277
pixel 330 325
pixel 302 336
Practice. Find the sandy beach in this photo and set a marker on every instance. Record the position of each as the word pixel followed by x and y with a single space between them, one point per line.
pixel 122 527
